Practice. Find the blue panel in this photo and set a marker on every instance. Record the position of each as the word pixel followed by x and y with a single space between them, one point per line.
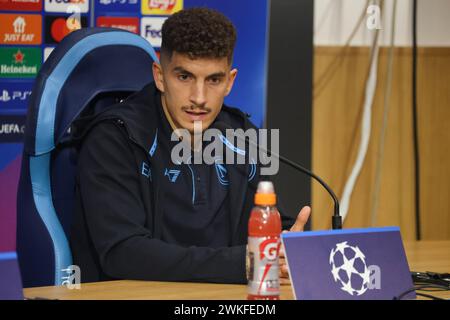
pixel 251 18
pixel 9 152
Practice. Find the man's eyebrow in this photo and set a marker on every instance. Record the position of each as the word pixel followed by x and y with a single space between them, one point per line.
pixel 220 74
pixel 182 70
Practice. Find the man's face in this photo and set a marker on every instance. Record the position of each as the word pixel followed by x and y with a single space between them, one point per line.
pixel 193 89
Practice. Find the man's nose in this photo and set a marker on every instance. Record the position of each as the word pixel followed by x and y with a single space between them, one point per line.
pixel 198 94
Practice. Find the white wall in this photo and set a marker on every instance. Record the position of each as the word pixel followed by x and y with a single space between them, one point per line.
pixel 334 21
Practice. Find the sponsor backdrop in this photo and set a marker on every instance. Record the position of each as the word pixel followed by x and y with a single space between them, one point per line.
pixel 30 29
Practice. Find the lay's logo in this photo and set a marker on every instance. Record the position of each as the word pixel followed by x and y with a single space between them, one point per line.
pixel 67 6
pixel 161 7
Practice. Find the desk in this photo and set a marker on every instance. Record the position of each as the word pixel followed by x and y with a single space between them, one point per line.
pixel 422 256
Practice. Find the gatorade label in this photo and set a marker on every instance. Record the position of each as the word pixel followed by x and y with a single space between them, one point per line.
pixel 262 274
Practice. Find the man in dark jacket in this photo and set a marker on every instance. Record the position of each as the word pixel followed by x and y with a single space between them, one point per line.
pixel 140 215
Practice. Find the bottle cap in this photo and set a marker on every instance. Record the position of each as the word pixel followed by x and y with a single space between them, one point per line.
pixel 265 194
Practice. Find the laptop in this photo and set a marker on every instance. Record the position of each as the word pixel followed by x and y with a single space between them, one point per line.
pixel 10 279
pixel 349 264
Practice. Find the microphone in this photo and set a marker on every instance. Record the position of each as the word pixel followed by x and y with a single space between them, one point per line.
pixel 336 220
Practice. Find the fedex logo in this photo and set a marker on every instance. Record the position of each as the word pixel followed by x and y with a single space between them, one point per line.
pixel 151 28
pixel 152 32
pixel 65 6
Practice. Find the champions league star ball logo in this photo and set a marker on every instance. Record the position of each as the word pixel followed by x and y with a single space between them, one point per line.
pixel 348 267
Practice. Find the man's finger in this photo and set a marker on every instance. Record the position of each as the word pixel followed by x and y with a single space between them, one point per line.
pixel 302 219
pixel 284 272
pixel 281 252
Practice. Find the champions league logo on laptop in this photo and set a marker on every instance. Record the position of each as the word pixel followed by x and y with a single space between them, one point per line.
pixel 346 264
pixel 349 269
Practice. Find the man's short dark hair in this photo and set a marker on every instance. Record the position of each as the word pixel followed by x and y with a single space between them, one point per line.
pixel 198 33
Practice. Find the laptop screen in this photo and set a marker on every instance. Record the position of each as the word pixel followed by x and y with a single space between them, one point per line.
pixel 10 280
pixel 347 264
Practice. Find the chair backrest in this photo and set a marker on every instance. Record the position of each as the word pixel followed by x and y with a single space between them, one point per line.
pixel 90 69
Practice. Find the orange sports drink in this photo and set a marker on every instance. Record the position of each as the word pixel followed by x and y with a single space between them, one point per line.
pixel 264 228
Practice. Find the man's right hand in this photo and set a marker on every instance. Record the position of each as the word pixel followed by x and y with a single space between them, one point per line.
pixel 299 225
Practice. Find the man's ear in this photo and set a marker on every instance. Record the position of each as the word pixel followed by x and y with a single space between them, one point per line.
pixel 158 76
pixel 233 74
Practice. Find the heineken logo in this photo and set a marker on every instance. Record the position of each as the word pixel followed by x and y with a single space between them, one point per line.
pixel 20 62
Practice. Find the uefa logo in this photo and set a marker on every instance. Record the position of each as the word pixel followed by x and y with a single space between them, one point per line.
pixel 7 96
pixel 350 270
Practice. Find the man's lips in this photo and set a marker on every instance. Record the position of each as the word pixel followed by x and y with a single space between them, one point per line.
pixel 197 115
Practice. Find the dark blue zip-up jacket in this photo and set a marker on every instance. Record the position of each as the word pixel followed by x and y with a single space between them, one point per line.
pixel 120 189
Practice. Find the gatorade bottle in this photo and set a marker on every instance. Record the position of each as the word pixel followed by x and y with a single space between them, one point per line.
pixel 264 228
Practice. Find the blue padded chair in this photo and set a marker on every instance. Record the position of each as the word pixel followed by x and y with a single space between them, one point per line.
pixel 90 69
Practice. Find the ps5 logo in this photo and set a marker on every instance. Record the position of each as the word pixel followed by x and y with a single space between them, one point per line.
pixel 349 268
pixel 72 277
pixel 14 96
